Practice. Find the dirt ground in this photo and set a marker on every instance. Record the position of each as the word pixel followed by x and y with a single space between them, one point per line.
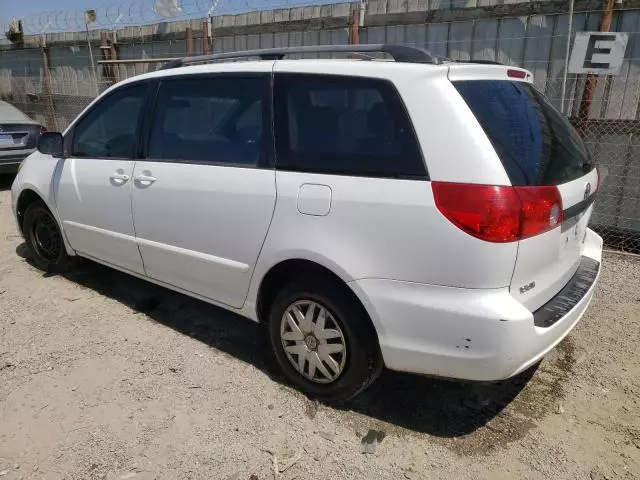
pixel 104 376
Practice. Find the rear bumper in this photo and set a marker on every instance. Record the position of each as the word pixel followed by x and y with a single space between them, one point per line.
pixel 470 334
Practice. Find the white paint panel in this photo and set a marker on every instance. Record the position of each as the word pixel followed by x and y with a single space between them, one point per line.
pixel 96 211
pixel 212 250
pixel 411 218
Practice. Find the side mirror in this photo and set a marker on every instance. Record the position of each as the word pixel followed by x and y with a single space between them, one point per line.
pixel 51 143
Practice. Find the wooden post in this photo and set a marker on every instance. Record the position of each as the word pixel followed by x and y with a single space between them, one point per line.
pixel 47 87
pixel 105 71
pixel 205 37
pixel 354 34
pixel 110 72
pixel 592 80
pixel 189 36
pixel 113 55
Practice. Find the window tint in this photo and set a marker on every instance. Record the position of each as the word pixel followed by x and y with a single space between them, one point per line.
pixel 211 120
pixel 536 144
pixel 109 129
pixel 344 125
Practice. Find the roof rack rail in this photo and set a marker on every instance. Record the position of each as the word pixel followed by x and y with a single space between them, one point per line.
pixel 400 53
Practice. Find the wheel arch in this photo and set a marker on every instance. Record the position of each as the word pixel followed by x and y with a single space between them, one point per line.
pixel 287 270
pixel 29 195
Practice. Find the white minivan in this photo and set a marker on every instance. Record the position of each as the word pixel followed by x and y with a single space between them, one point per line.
pixel 423 215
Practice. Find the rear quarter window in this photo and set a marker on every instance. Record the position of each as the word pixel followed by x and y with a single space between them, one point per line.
pixel 344 125
pixel 535 142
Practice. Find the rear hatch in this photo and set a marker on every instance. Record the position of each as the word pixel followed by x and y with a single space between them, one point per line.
pixel 542 154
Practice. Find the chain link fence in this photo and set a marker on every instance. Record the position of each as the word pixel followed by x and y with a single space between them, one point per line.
pixel 55 83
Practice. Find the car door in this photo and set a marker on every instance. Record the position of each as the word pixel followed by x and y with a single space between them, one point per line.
pixel 93 195
pixel 204 196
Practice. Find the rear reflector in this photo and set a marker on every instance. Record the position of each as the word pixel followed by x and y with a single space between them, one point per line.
pixel 499 213
pixel 516 73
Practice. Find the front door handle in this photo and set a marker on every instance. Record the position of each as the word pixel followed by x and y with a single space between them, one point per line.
pixel 144 180
pixel 119 178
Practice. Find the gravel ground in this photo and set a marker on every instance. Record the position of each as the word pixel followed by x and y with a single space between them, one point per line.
pixel 106 376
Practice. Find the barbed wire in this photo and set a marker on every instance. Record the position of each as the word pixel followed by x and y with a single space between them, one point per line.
pixel 141 12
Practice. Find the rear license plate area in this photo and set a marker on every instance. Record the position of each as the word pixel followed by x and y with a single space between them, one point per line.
pixel 571 223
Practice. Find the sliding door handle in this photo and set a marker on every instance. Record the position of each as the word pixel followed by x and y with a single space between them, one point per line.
pixel 119 178
pixel 144 180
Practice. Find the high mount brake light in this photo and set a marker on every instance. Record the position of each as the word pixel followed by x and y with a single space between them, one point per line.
pixel 512 73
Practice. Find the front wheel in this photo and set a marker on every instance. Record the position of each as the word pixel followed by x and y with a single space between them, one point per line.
pixel 44 239
pixel 323 340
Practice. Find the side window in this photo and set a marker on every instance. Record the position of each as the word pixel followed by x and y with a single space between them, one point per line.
pixel 344 125
pixel 210 120
pixel 109 129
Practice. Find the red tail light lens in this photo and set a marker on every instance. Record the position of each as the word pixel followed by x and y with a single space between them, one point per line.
pixel 516 73
pixel 541 209
pixel 499 213
pixel 491 213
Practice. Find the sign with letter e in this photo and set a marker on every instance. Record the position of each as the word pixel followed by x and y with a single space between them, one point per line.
pixel 598 52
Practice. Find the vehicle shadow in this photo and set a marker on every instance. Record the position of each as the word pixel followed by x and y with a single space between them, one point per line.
pixel 5 181
pixel 436 407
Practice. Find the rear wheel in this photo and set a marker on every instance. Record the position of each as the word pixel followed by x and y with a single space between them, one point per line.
pixel 44 239
pixel 323 340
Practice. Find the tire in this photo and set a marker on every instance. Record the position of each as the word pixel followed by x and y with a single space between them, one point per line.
pixel 44 239
pixel 360 361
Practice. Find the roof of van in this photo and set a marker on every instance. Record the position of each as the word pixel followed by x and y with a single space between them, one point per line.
pixel 350 67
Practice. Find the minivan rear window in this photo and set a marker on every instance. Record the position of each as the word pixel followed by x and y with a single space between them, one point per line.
pixel 535 142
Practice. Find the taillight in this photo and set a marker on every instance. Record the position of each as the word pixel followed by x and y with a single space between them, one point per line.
pixel 499 213
pixel 541 209
pixel 488 212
